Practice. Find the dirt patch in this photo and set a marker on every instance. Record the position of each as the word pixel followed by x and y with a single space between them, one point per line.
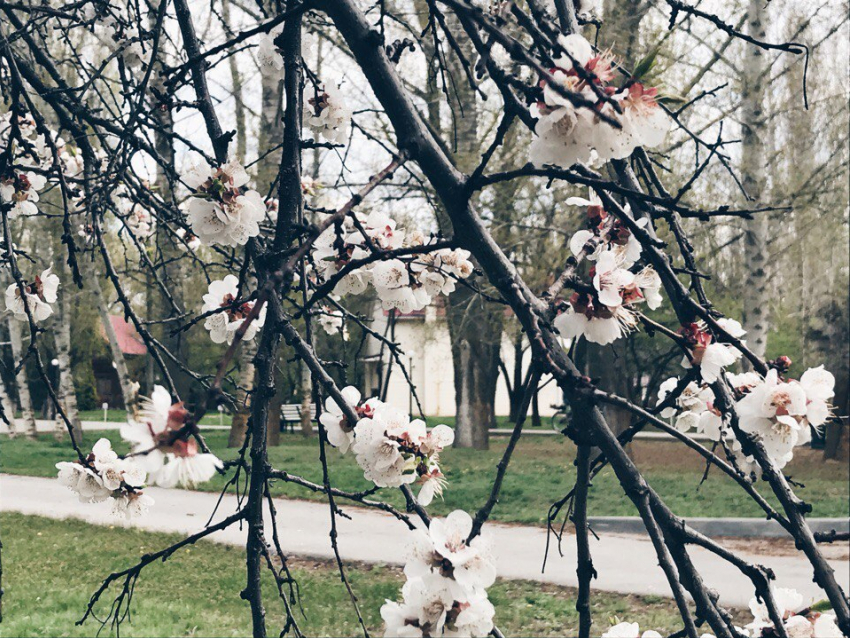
pixel 782 547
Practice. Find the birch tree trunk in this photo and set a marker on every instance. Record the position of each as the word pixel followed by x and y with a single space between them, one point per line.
pixel 753 131
pixel 236 91
pixel 66 392
pixel 129 390
pixel 8 408
pixel 306 400
pixel 239 423
pixel 21 381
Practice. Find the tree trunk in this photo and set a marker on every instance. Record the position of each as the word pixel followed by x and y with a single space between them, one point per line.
pixel 273 426
pixel 170 266
pixel 753 130
pixel 516 382
pixel 236 91
pixel 609 371
pixel 21 380
pixel 239 423
pixel 66 391
pixel 622 27
pixel 129 390
pixel 306 400
pixel 475 387
pixel 8 408
pixel 836 318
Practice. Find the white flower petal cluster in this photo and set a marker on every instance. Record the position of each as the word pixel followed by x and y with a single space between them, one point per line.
pixel 223 325
pixel 629 630
pixel 220 210
pixel 781 413
pixel 392 449
pixel 711 356
pixel 20 188
pixel 405 284
pixel 447 580
pixel 188 239
pixel 123 39
pixel 39 295
pixel 606 314
pixel 140 221
pixel 798 621
pixel 268 57
pixel 694 409
pixel 31 149
pixel 333 322
pixel 169 455
pixel 105 476
pixel 566 134
pixel 329 115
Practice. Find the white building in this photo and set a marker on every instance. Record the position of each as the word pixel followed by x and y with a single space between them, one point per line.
pixel 424 339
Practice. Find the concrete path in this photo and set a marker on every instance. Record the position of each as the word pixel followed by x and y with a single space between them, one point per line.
pixel 625 563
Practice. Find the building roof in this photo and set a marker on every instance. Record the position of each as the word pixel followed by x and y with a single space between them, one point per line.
pixel 128 339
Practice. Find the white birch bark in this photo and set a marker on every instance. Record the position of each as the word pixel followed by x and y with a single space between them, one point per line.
pixel 753 129
pixel 27 424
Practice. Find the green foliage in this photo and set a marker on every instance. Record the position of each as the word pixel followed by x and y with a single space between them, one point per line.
pixel 84 384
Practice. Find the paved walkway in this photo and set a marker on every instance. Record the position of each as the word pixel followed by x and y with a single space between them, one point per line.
pixel 625 563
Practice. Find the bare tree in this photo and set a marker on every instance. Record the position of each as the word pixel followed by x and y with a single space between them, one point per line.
pixel 586 106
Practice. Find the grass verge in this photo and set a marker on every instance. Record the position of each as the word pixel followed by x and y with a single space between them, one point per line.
pixel 541 471
pixel 50 568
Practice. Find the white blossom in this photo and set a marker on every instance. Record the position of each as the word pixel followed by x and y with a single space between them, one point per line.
pixel 629 630
pixel 566 134
pixel 328 114
pixel 39 295
pixel 223 324
pixel 445 592
pixel 21 190
pixel 219 211
pixel 339 431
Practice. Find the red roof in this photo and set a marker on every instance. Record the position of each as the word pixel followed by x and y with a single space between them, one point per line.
pixel 128 338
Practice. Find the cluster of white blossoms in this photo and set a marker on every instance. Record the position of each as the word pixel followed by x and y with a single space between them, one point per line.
pixel 188 239
pixel 38 295
pixel 447 579
pixel 268 57
pixel 328 114
pixel 163 446
pixel 333 322
pixel 566 134
pixel 124 40
pixel 20 188
pixel 106 476
pixel 798 620
pixel 228 317
pixel 391 449
pixel 606 313
pixel 138 218
pixel 405 284
pixel 711 356
pixel 19 184
pixel 219 212
pixel 781 413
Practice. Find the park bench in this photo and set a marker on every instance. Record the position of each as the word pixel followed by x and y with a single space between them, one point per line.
pixel 290 414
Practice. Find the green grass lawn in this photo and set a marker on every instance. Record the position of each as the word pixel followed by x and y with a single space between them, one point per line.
pixel 51 568
pixel 541 471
